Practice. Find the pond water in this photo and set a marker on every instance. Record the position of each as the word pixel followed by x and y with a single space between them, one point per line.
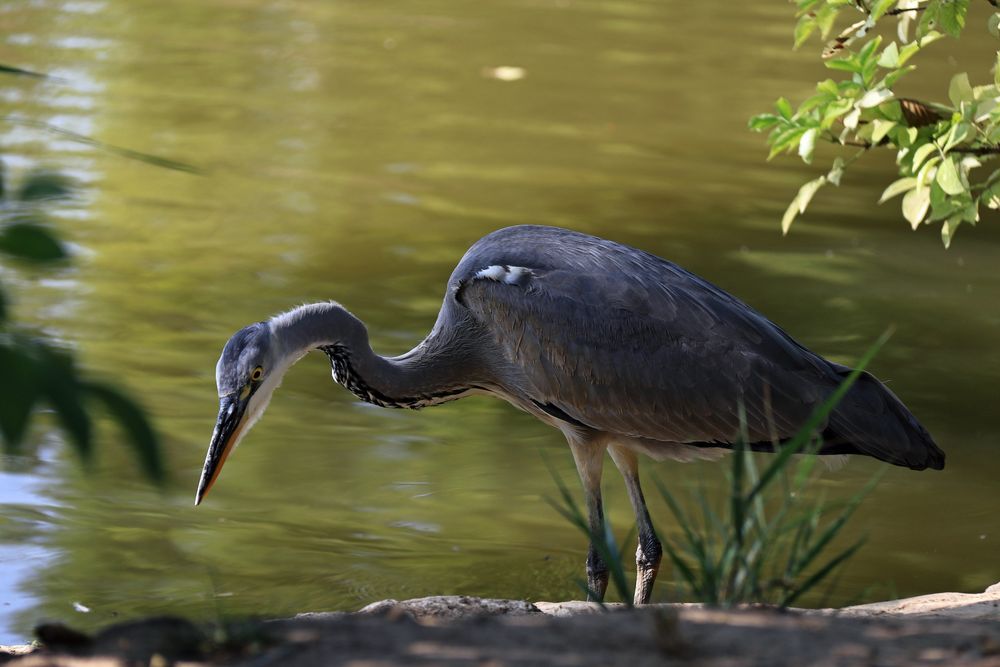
pixel 353 151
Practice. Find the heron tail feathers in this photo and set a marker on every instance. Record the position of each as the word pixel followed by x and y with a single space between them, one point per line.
pixel 871 420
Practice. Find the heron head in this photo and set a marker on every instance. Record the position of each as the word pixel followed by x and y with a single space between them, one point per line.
pixel 248 372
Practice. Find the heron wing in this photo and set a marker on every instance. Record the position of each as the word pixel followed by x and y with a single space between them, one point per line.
pixel 636 345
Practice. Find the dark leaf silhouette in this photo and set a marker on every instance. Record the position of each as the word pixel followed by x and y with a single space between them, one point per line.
pixel 32 242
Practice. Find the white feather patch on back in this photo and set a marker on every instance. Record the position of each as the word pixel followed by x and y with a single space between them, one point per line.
pixel 512 275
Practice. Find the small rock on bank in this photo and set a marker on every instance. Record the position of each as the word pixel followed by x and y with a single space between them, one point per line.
pixel 451 607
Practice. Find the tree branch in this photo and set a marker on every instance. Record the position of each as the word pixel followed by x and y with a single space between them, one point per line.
pixel 971 150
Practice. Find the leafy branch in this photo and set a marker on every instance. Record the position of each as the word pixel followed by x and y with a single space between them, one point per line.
pixel 940 147
pixel 34 373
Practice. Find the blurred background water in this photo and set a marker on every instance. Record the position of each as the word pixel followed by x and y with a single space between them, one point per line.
pixel 353 151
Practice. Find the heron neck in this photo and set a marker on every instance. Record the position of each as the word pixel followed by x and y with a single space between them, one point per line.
pixel 425 375
pixel 315 326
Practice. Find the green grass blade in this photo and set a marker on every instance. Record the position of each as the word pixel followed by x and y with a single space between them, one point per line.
pixel 689 575
pixel 835 526
pixel 682 519
pixel 820 574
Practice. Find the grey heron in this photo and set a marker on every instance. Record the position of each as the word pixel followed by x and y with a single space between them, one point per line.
pixel 624 352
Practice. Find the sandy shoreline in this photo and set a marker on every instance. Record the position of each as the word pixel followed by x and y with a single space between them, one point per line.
pixel 941 629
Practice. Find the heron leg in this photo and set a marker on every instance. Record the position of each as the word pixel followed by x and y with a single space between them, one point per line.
pixel 649 551
pixel 589 457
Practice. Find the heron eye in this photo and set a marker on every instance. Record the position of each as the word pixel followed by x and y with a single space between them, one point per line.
pixel 257 374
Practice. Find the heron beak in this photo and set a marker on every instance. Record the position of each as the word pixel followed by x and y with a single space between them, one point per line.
pixel 227 432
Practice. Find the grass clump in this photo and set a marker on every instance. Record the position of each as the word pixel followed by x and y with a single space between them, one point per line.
pixel 770 545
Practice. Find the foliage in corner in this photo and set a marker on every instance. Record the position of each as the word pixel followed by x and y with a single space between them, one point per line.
pixel 33 371
pixel 940 146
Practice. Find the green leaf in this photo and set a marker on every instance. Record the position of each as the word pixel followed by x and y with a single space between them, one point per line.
pixel 897 188
pixel 836 171
pixel 915 205
pixel 44 185
pixel 800 202
pixel 987 92
pixel 17 71
pixel 959 132
pixel 763 121
pixel 949 228
pixel 984 109
pixel 30 241
pixel 807 144
pixel 851 120
pixel 991 196
pixel 891 112
pixel 890 79
pixel 993 25
pixel 929 19
pixel 785 139
pixel 867 52
pixel 942 204
pixel 3 307
pixel 820 99
pixel 61 388
pixel 805 6
pixel 890 56
pixel 929 38
pixel 133 421
pixel 875 97
pixel 927 171
pixel 951 16
pixel 844 65
pixel 960 90
pixel 948 177
pixel 784 108
pixel 825 18
pixel 907 52
pixel 805 26
pixel 921 154
pixel 880 7
pixel 970 213
pixel 903 23
pixel 828 86
pixel 880 128
pixel 19 390
pixel 834 111
pixel 902 137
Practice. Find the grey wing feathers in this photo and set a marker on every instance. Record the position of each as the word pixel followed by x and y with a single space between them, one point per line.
pixel 626 360
pixel 625 342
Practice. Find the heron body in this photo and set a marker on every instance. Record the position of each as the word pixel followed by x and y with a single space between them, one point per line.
pixel 622 351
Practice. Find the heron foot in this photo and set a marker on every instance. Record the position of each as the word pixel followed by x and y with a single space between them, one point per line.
pixel 597 576
pixel 647 564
